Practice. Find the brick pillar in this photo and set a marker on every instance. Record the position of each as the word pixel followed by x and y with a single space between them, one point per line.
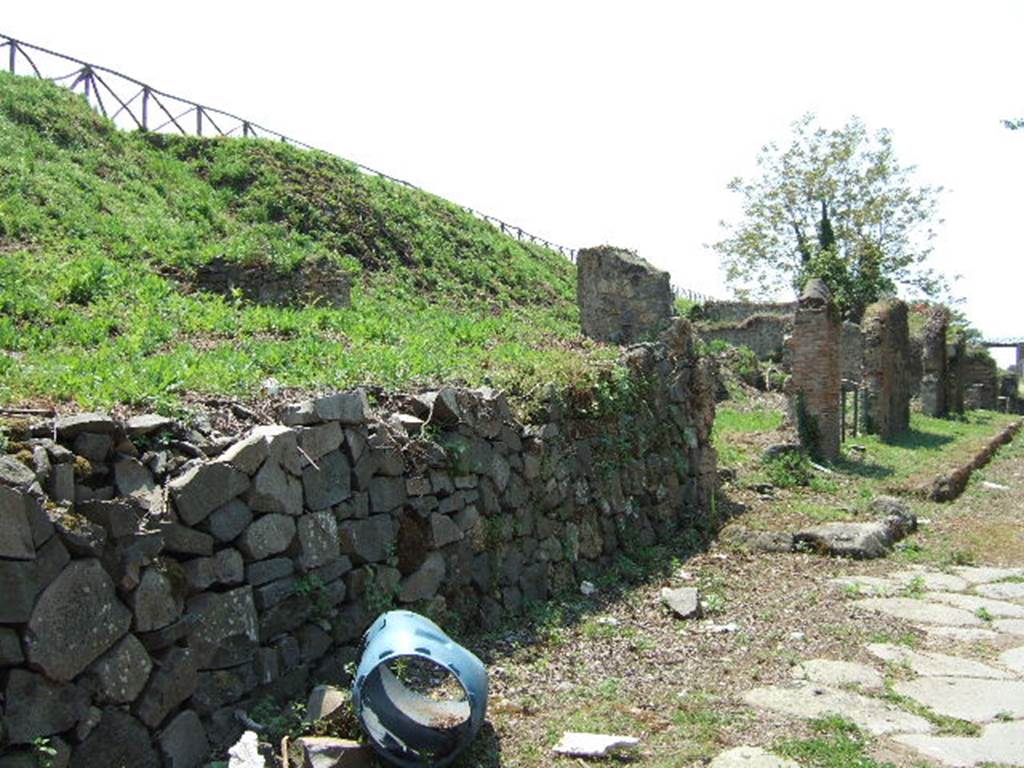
pixel 886 381
pixel 815 384
pixel 934 363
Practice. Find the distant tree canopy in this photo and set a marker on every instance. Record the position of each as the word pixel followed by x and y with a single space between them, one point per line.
pixel 834 204
pixel 1015 124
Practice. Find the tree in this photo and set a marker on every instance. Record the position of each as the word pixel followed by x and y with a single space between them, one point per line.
pixel 835 204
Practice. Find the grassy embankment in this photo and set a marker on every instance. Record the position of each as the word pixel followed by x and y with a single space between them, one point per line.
pixel 94 221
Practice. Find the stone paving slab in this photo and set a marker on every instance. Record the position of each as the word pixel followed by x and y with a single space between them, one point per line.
pixel 1002 590
pixel 963 634
pixel 998 608
pixel 999 743
pixel 838 673
pixel 1013 659
pixel 983 575
pixel 920 611
pixel 930 664
pixel 967 698
pixel 1009 626
pixel 934 580
pixel 809 700
pixel 751 757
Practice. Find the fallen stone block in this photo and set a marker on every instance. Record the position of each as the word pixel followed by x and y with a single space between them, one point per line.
pixel 594 745
pixel 683 601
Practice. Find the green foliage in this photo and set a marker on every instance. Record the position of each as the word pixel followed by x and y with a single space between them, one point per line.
pixel 836 743
pixel 834 204
pixel 95 223
pixel 43 751
pixel 788 469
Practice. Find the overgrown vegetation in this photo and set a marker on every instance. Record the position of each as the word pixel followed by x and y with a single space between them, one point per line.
pixel 94 222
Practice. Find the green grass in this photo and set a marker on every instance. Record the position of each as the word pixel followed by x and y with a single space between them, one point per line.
pixel 836 743
pixel 95 222
pixel 731 424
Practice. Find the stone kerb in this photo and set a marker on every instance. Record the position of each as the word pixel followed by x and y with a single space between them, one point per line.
pixel 178 575
pixel 814 388
pixel 886 379
pixel 622 298
pixel 934 363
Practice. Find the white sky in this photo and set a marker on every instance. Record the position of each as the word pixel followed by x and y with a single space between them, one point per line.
pixel 592 122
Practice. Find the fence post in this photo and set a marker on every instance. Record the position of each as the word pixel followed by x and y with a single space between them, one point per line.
pixel 245 129
pixel 13 54
pixel 199 121
pixel 145 108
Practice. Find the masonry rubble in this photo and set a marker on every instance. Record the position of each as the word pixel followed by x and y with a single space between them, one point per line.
pixel 886 376
pixel 622 298
pixel 814 390
pixel 160 577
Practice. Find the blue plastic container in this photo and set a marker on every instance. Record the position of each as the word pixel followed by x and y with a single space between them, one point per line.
pixel 406 728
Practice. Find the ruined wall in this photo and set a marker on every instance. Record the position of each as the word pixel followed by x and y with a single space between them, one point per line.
pixel 851 351
pixel 764 334
pixel 886 377
pixel 956 357
pixel 815 382
pixel 934 363
pixel 156 577
pixel 736 312
pixel 981 380
pixel 313 282
pixel 622 298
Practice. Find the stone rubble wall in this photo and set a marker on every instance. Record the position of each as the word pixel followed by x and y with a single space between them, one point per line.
pixel 159 578
pixel 956 356
pixel 981 380
pixel 765 334
pixel 851 351
pixel 736 312
pixel 622 298
pixel 886 373
pixel 814 389
pixel 313 282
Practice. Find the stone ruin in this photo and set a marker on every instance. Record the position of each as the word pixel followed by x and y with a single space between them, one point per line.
pixel 956 371
pixel 158 577
pixel 622 298
pixel 814 388
pixel 934 363
pixel 317 281
pixel 885 387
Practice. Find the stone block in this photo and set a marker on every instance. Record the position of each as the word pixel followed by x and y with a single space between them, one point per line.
pixel 225 523
pixel 76 619
pixel 173 680
pixel 183 743
pixel 622 298
pixel 386 494
pixel 369 540
pixel 349 408
pixel 264 571
pixel 266 536
pixel 425 581
pixel 275 490
pixel 318 539
pixel 37 707
pixel 226 627
pixel 204 488
pixel 443 531
pixel 10 648
pixel 160 597
pixel 118 740
pixel 93 446
pixel 321 440
pixel 328 482
pixel 119 675
pixel 15 533
pixel 247 454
